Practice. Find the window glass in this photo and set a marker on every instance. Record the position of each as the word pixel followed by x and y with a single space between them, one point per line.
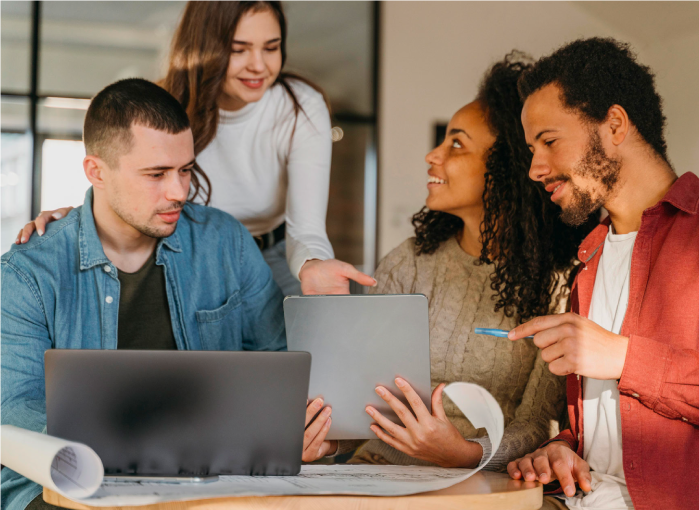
pixel 63 180
pixel 60 123
pixel 88 45
pixel 15 21
pixel 15 170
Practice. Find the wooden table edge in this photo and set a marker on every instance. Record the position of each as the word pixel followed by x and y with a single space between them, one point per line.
pixel 522 499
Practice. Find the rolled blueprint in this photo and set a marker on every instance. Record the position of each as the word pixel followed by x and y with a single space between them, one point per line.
pixel 70 469
pixel 481 409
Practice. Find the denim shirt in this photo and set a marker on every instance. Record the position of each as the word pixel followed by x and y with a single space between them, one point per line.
pixel 60 291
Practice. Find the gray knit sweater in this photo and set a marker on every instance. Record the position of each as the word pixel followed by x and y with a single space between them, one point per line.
pixel 460 299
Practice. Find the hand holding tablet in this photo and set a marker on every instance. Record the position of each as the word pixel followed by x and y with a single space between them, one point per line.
pixel 426 436
pixel 356 343
pixel 314 444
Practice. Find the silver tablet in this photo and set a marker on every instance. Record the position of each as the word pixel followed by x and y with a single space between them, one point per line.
pixel 358 342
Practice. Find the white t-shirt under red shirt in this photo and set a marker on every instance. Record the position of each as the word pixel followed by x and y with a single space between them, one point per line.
pixel 602 447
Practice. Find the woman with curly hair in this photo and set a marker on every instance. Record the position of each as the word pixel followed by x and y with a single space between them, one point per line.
pixel 489 251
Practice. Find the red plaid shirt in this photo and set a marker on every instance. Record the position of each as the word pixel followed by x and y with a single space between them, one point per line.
pixel 659 386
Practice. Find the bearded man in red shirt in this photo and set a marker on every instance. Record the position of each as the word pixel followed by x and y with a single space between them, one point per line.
pixel 630 348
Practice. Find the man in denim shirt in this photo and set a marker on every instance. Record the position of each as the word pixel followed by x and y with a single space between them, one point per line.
pixel 209 286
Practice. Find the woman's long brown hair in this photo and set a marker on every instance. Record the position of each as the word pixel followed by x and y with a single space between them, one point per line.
pixel 199 59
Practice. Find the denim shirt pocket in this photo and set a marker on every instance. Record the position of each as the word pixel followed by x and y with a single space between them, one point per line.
pixel 220 329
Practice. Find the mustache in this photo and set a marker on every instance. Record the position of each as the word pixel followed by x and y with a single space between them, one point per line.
pixel 559 178
pixel 176 206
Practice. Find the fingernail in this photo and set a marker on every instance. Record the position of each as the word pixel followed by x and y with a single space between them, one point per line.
pixel 24 239
pixel 369 410
pixel 375 282
pixel 327 423
pixel 318 402
pixel 543 477
pixel 57 215
pixel 327 411
pixel 40 232
pixel 400 382
pixel 517 473
pixel 569 490
pixel 511 334
pixel 380 391
pixel 17 241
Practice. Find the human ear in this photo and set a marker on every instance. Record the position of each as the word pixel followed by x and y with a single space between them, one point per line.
pixel 618 124
pixel 94 166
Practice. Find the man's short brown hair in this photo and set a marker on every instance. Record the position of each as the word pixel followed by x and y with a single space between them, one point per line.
pixel 107 129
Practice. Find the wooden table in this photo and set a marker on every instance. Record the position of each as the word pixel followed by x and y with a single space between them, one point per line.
pixel 483 491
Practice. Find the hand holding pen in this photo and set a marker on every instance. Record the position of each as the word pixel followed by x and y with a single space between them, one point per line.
pixel 494 332
pixel 572 344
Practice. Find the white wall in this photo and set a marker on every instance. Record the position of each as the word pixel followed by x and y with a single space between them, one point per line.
pixel 676 64
pixel 433 55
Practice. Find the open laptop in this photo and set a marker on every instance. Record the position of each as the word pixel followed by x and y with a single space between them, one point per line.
pixel 186 414
pixel 358 342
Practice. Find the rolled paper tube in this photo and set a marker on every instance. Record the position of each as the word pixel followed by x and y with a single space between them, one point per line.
pixel 71 469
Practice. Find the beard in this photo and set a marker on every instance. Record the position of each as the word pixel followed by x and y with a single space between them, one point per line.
pixel 582 205
pixel 597 165
pixel 146 228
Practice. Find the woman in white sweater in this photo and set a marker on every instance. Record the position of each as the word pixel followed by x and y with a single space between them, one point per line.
pixel 262 137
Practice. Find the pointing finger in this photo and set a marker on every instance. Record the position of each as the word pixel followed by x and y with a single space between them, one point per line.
pixel 538 324
pixel 361 278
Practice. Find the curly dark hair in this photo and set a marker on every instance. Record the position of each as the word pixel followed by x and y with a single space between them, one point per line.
pixel 521 233
pixel 595 74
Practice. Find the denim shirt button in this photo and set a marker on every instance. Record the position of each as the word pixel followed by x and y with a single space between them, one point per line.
pixel 109 299
pixel 107 269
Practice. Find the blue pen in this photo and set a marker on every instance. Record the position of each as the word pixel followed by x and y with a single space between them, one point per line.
pixel 494 332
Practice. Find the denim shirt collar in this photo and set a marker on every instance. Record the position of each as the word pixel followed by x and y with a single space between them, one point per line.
pixel 91 251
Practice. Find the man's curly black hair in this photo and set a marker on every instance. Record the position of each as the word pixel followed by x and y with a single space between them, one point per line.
pixel 522 233
pixel 595 74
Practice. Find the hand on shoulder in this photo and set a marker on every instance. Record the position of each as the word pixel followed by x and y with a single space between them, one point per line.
pixel 39 224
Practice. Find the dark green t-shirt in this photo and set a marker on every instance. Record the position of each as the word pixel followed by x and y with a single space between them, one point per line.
pixel 144 322
pixel 144 315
